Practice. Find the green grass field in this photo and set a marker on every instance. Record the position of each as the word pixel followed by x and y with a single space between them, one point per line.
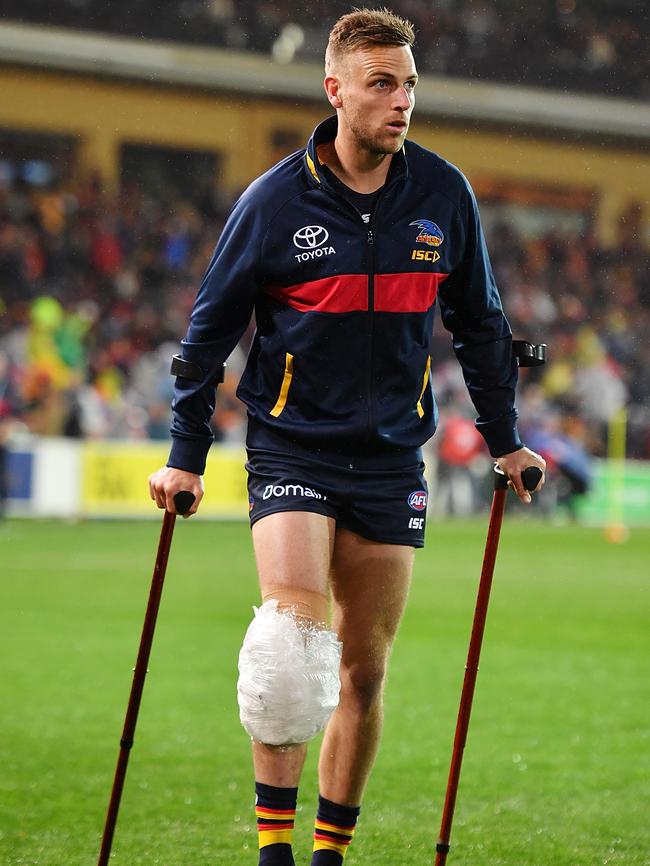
pixel 557 766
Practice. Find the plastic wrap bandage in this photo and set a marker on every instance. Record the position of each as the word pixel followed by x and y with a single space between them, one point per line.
pixel 289 682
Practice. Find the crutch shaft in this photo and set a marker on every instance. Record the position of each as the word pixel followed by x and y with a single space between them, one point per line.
pixel 183 502
pixel 530 477
pixel 471 671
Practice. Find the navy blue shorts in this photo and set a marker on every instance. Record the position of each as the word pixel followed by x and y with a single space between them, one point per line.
pixel 377 500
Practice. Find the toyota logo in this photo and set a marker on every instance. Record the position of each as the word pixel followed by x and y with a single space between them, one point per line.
pixel 310 237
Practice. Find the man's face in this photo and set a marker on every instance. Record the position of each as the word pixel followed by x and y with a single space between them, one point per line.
pixel 373 90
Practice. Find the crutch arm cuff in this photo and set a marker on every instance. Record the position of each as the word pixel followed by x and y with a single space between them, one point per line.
pixel 191 370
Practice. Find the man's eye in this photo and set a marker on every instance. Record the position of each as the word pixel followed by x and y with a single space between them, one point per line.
pixel 381 84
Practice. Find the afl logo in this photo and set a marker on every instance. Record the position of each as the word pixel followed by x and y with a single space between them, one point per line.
pixel 310 237
pixel 418 500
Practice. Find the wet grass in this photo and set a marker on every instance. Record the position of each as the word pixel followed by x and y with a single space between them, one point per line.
pixel 557 766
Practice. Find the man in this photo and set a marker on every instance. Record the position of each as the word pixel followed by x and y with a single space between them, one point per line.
pixel 341 250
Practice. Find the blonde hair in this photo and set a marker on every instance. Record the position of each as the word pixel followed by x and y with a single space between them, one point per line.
pixel 363 27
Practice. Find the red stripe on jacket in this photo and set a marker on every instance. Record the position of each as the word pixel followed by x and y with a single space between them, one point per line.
pixel 341 294
pixel 346 293
pixel 406 293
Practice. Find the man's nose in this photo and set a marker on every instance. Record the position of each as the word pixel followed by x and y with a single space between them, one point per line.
pixel 403 98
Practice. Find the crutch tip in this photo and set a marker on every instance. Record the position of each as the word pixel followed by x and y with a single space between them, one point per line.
pixel 442 849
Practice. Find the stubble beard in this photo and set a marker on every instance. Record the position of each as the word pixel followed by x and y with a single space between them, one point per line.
pixel 377 143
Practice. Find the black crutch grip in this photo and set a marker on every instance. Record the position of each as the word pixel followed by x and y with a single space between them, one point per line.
pixel 183 501
pixel 531 476
pixel 529 354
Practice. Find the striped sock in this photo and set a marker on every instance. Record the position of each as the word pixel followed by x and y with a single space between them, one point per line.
pixel 333 832
pixel 275 809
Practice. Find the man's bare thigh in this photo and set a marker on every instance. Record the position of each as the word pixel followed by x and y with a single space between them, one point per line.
pixel 370 583
pixel 293 549
pixel 303 552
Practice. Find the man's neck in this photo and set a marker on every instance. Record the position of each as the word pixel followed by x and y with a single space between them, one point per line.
pixel 360 170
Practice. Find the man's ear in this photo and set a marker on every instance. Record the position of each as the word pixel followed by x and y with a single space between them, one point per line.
pixel 332 88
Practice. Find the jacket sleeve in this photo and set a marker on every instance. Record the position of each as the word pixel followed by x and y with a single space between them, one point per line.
pixel 221 313
pixel 471 310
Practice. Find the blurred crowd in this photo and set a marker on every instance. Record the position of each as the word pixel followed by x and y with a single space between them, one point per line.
pixel 591 305
pixel 96 290
pixel 591 45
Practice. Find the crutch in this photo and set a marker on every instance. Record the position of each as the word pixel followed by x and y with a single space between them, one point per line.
pixel 183 502
pixel 528 355
pixel 530 478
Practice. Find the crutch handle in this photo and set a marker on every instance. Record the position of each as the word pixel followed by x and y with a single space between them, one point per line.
pixel 183 501
pixel 531 476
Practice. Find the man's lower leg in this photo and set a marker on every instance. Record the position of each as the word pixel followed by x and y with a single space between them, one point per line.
pixel 333 832
pixel 346 758
pixel 275 810
pixel 278 767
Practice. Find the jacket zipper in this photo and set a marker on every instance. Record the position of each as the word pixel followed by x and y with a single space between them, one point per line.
pixel 370 267
pixel 370 262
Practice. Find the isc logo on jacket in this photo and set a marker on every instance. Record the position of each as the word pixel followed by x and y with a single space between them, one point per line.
pixel 425 255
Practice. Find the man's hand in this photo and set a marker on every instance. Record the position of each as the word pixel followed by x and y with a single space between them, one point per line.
pixel 513 465
pixel 167 482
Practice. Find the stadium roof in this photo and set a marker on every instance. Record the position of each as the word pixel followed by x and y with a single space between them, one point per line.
pixel 218 69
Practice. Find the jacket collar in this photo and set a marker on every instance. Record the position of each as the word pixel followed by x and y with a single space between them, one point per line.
pixel 326 131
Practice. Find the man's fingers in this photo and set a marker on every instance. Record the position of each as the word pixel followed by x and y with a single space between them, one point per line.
pixel 157 495
pixel 152 489
pixel 518 486
pixel 155 492
pixel 518 462
pixel 166 485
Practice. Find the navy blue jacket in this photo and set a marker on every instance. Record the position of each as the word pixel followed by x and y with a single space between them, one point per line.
pixel 344 311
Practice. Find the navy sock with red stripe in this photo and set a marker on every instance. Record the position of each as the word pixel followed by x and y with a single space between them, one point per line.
pixel 333 832
pixel 275 810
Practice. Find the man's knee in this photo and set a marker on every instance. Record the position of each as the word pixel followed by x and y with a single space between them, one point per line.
pixel 362 684
pixel 288 683
pixel 305 604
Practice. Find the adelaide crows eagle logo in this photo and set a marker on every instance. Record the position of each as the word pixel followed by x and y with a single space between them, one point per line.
pixel 430 233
